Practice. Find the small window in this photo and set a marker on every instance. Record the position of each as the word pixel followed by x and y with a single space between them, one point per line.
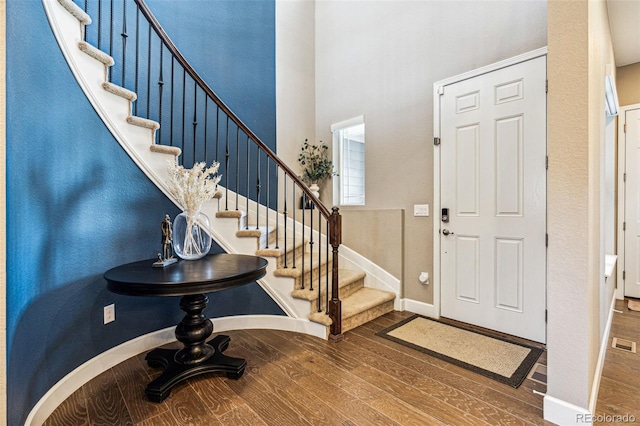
pixel 348 149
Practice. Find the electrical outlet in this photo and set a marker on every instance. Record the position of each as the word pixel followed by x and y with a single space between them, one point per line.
pixel 421 209
pixel 109 313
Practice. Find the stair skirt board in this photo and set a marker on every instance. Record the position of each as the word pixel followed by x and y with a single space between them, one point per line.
pixel 114 356
pixel 137 137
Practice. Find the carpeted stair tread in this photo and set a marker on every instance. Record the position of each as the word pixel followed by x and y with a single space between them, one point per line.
pixel 363 299
pixel 233 214
pixel 119 91
pixel 165 149
pixel 346 277
pixel 96 53
pixel 76 11
pixel 143 122
pixel 362 306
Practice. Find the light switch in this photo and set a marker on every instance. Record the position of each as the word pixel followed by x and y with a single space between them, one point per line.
pixel 421 209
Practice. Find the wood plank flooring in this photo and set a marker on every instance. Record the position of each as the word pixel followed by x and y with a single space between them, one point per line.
pixel 295 379
pixel 619 393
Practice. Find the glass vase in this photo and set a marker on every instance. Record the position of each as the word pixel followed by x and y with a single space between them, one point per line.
pixel 191 240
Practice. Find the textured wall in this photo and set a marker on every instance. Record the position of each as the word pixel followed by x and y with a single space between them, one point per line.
pixel 77 205
pixel 579 50
pixel 384 67
pixel 628 84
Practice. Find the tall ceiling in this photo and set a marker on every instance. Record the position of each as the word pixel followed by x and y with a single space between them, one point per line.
pixel 624 19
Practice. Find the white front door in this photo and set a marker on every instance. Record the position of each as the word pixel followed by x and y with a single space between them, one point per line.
pixel 632 204
pixel 493 183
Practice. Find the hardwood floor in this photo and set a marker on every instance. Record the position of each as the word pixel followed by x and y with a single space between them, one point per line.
pixel 619 393
pixel 295 379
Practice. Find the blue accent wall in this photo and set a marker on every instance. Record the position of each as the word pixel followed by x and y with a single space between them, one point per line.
pixel 77 205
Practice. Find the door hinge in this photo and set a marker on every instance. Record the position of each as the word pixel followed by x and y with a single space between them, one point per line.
pixel 436 141
pixel 546 86
pixel 625 128
pixel 624 274
pixel 624 177
pixel 624 226
pixel 546 240
pixel 546 315
pixel 546 164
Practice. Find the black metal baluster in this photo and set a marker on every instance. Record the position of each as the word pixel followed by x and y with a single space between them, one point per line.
pixel 206 126
pixel 294 221
pixel 173 61
pixel 137 61
pixel 277 205
pixel 184 102
pixel 248 192
pixel 226 167
pixel 86 9
pixel 99 24
pixel 109 70
pixel 319 259
pixel 258 190
pixel 160 89
pixel 311 254
pixel 124 42
pixel 217 132
pixel 195 119
pixel 237 188
pixel 149 73
pixel 303 244
pixel 267 201
pixel 286 217
pixel 327 270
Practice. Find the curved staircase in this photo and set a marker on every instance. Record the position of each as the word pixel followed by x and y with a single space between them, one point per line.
pixel 302 258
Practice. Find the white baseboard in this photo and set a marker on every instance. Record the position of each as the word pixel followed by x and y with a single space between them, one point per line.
pixel 565 414
pixel 604 344
pixel 417 307
pixel 114 356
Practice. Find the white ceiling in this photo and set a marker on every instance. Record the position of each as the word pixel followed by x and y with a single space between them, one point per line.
pixel 624 19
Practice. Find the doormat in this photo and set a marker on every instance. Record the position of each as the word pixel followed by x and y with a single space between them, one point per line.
pixel 493 356
pixel 633 305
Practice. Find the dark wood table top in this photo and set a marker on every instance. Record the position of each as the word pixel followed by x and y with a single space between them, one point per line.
pixel 213 272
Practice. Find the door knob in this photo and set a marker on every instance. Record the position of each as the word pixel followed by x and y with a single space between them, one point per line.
pixel 446 232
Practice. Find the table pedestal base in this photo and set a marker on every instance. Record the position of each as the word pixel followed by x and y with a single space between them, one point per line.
pixel 175 372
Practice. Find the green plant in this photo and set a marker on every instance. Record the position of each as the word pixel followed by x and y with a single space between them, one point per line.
pixel 315 162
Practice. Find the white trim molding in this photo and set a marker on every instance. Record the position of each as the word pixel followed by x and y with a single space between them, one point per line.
pixel 621 198
pixel 563 413
pixel 417 307
pixel 114 356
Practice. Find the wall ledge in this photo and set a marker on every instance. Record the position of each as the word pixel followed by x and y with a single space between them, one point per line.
pixel 114 356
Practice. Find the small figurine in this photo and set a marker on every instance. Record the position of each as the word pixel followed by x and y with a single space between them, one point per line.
pixel 166 257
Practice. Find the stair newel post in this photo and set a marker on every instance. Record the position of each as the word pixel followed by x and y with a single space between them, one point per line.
pixel 304 195
pixel 335 305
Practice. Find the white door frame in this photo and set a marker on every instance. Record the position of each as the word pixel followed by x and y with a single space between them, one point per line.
pixel 438 89
pixel 622 158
